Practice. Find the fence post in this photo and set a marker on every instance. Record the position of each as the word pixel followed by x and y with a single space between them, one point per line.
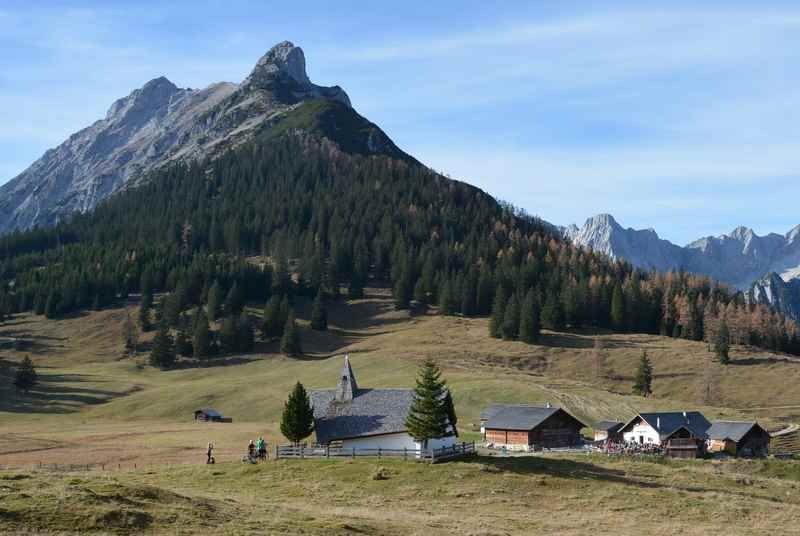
pixel 354 453
pixel 379 453
pixel 433 455
pixel 405 453
pixel 328 451
pixel 277 452
pixel 302 452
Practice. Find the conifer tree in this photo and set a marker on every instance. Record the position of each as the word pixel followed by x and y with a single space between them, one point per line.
pixel 485 293
pixel 722 343
pixel 214 301
pixel 356 288
pixel 183 343
pixel 228 336
pixel 297 419
pixel 25 378
pixel 447 298
pixel 290 341
pixel 245 337
pixel 130 333
pixel 273 321
pixel 319 313
pixel 144 310
pixel 428 417
pixel 511 319
pixel 403 289
pixel 618 322
pixel 162 354
pixel 498 313
pixel 529 326
pixel 234 304
pixel 51 305
pixel 552 315
pixel 644 377
pixel 201 341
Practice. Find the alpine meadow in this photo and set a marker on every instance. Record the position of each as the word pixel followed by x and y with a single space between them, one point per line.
pixel 245 309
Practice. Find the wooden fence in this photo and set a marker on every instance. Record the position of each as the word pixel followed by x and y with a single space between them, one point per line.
pixel 322 451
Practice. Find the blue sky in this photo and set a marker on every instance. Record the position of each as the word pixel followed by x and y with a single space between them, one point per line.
pixel 684 119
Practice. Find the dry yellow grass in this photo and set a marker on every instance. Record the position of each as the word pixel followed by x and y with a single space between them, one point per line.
pixel 94 405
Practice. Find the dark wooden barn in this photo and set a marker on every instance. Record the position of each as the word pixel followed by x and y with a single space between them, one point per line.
pixel 738 438
pixel 533 428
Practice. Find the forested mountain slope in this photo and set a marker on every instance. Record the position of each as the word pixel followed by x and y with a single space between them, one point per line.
pixel 335 218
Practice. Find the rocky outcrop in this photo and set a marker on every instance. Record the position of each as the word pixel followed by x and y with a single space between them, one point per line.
pixel 155 125
pixel 782 295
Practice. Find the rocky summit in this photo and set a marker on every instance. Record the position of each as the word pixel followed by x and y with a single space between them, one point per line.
pixel 155 125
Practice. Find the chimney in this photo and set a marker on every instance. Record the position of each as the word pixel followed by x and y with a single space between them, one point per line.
pixel 685 417
pixel 658 423
pixel 548 405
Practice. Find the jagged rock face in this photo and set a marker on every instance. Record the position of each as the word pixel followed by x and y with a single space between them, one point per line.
pixel 782 295
pixel 641 248
pixel 770 265
pixel 155 125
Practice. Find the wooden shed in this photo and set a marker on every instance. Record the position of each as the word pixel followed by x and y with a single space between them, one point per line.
pixel 738 438
pixel 531 428
pixel 210 415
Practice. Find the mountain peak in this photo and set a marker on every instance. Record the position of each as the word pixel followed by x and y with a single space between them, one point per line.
pixel 284 57
pixel 602 220
pixel 282 70
pixel 154 94
pixel 742 233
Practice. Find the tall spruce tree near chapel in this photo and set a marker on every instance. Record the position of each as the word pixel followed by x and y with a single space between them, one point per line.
pixel 297 419
pixel 429 415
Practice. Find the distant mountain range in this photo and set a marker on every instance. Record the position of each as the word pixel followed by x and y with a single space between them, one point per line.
pixel 160 123
pixel 766 267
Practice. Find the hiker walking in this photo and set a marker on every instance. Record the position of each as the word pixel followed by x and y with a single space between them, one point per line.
pixel 209 453
pixel 251 450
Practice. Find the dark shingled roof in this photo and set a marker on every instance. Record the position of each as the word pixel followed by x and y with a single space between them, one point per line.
pixel 494 409
pixel 370 412
pixel 608 426
pixel 668 422
pixel 734 430
pixel 523 417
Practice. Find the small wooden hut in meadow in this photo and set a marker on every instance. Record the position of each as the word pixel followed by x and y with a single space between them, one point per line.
pixel 738 438
pixel 210 415
pixel 530 428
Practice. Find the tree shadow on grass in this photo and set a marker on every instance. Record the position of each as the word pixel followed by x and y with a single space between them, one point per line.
pixel 56 394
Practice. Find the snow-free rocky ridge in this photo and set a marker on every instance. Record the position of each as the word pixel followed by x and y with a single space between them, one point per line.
pixel 766 267
pixel 159 124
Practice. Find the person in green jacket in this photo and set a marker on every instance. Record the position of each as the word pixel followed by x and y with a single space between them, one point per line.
pixel 261 447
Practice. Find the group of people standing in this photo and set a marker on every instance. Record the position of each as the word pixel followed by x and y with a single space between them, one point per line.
pixel 257 449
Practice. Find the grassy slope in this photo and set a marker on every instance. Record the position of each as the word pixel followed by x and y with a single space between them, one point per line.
pixel 486 496
pixel 95 406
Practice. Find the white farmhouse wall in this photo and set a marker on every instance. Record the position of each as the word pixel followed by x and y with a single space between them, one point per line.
pixel 397 441
pixel 387 441
pixel 649 433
